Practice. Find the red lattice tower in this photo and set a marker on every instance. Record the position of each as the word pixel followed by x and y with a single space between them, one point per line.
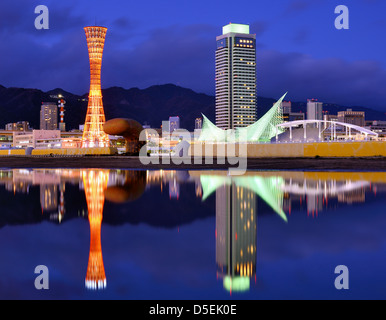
pixel 93 134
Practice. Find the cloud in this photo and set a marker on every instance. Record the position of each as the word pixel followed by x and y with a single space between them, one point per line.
pixel 179 54
pixel 301 36
pixel 183 55
pixel 16 17
pixel 331 80
pixel 296 6
pixel 44 65
pixel 42 59
pixel 259 27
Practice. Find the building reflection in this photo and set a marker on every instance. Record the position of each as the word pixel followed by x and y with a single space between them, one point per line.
pixel 95 184
pixel 316 194
pixel 171 178
pixel 235 236
pixel 236 211
pixel 129 187
pixel 236 223
pixel 279 189
pixel 49 197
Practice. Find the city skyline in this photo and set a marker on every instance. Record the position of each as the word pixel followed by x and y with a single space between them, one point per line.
pixel 193 150
pixel 304 51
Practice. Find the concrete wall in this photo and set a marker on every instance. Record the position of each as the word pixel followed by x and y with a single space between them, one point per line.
pixel 61 152
pixel 12 152
pixel 75 151
pixel 343 149
pixel 374 177
pixel 324 149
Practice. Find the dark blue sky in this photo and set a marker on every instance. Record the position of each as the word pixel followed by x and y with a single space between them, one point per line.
pixel 173 41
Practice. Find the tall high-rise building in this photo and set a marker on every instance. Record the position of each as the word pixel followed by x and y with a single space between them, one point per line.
pixel 49 116
pixel 314 110
pixel 93 134
pixel 235 77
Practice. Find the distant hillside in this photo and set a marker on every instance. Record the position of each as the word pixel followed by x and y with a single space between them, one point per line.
pixel 155 104
pixel 152 105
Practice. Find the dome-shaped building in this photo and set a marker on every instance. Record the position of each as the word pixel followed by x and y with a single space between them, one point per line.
pixel 129 129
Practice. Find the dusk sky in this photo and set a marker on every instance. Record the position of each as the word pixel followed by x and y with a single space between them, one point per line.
pixel 150 42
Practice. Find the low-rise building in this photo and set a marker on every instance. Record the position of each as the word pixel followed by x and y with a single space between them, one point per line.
pixel 6 138
pixel 37 139
pixel 295 116
pixel 17 126
pixel 352 117
pixel 378 127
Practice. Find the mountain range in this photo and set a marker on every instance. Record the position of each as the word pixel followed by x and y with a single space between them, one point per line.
pixel 148 106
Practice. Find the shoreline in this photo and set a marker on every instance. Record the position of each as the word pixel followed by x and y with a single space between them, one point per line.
pixel 133 162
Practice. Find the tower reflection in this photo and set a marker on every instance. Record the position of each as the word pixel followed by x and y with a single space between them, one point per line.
pixel 235 236
pixel 236 223
pixel 95 184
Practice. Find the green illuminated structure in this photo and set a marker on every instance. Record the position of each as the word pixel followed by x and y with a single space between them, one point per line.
pixel 261 131
pixel 265 128
pixel 237 284
pixel 236 28
pixel 267 188
pixel 211 183
pixel 209 132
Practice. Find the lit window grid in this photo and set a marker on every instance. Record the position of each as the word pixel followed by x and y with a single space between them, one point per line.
pixel 244 72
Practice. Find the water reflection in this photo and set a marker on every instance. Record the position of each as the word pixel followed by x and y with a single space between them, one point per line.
pixel 235 236
pixel 236 205
pixel 95 184
pixel 132 188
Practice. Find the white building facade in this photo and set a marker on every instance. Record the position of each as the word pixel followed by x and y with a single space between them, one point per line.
pixel 37 139
pixel 314 109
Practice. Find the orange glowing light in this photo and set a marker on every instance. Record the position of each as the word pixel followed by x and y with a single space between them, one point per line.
pixel 93 134
pixel 95 184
